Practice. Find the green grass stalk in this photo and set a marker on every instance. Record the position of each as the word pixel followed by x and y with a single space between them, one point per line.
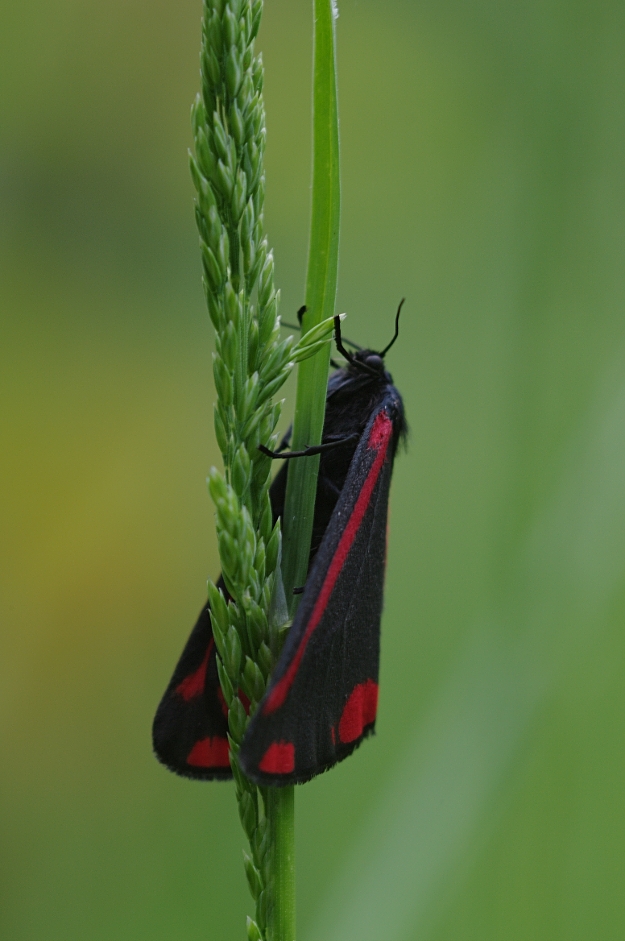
pixel 280 810
pixel 312 381
pixel 321 278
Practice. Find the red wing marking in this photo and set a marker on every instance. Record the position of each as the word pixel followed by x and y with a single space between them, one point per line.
pixel 244 701
pixel 210 753
pixel 379 438
pixel 359 712
pixel 279 758
pixel 381 431
pixel 193 684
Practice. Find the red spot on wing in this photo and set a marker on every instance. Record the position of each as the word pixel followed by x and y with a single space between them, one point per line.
pixel 244 701
pixel 379 438
pixel 210 753
pixel 359 712
pixel 193 684
pixel 279 758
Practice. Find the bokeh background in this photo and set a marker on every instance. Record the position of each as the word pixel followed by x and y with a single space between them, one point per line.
pixel 482 167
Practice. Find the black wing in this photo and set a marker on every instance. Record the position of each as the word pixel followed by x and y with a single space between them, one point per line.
pixel 322 698
pixel 189 730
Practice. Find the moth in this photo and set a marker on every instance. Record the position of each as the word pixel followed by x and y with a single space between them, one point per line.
pixel 321 700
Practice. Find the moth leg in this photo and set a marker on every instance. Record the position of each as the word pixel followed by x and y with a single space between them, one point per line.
pixel 310 451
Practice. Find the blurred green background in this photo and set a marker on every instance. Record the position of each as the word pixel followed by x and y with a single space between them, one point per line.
pixel 482 166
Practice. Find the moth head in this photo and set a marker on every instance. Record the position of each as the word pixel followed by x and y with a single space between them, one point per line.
pixel 368 361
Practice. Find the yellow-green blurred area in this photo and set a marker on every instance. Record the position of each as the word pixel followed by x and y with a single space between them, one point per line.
pixel 482 167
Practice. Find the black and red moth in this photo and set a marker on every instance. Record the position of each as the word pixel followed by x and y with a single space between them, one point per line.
pixel 322 698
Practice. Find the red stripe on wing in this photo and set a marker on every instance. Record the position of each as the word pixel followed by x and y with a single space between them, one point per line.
pixel 193 684
pixel 379 438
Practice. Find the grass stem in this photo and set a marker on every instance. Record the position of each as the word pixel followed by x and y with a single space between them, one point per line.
pixel 321 278
pixel 312 381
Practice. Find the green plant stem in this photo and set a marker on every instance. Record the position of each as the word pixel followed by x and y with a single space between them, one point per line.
pixel 280 809
pixel 312 383
pixel 321 277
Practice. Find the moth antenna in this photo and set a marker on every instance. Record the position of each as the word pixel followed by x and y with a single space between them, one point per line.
pixel 339 343
pixel 387 348
pixel 300 315
pixel 351 343
pixel 358 363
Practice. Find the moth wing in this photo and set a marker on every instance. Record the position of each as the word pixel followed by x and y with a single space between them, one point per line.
pixel 189 732
pixel 322 698
pixel 190 726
